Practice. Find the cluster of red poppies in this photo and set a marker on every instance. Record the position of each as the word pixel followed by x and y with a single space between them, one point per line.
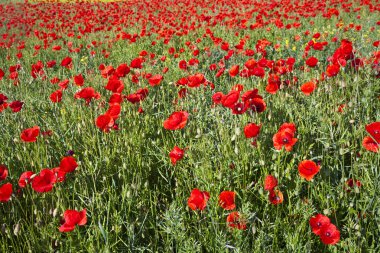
pixel 249 100
pixel 275 195
pixel 44 181
pixel 107 121
pixel 327 232
pixel 284 138
pixel 198 201
pixel 59 31
pixel 15 106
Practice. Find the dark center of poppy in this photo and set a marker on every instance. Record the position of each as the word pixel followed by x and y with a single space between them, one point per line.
pixel 319 224
pixel 308 169
pixel 328 234
pixel 376 132
pixel 285 140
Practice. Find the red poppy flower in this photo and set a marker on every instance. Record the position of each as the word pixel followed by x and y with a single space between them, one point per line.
pixel 250 94
pixel 227 200
pixel 257 105
pixel 374 130
pixel 14 76
pixel 182 64
pixel 250 63
pixel 318 46
pixel 276 197
pixel 308 169
pixel 64 84
pixel 350 183
pixel 51 64
pixel 143 93
pixel 114 111
pixel 16 106
pixel 68 164
pixel 2 74
pixel 37 70
pixel 234 220
pixel 44 182
pixel 79 80
pixel 3 102
pixel 3 172
pixel 341 108
pixel 312 62
pixel 155 80
pixel 225 46
pixel 239 108
pixel 196 80
pixel 288 126
pixel 274 82
pixel 87 94
pixel 194 61
pixel 230 99
pixel 25 178
pixel 285 139
pixel 270 183
pixel 370 144
pixel 329 234
pixel 56 96
pixel 220 72
pixel 115 85
pixel 182 81
pixel 176 121
pixel 66 62
pixel 55 80
pixel 136 63
pixel 272 88
pixel 73 218
pixel 234 70
pixel 257 71
pixel 116 98
pixel 317 222
pixel 198 199
pixel 56 48
pixel 138 96
pixel 217 97
pixel 105 122
pixel 106 71
pixel 122 70
pixel 332 70
pixel 252 130
pixel 59 174
pixel 5 192
pixel 30 134
pixel 308 87
pixel 176 154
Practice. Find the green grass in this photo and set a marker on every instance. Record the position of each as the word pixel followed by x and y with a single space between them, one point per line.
pixel 136 200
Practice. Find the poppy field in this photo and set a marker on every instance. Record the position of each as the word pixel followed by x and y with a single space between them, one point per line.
pixel 190 126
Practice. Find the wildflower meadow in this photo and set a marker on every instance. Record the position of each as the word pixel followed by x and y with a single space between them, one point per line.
pixel 190 126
